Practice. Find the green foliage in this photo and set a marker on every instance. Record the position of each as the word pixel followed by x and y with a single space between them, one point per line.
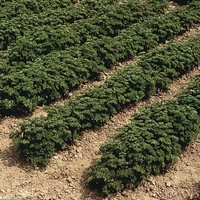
pixel 105 18
pixel 43 40
pixel 148 145
pixel 41 141
pixel 162 64
pixel 73 65
pixel 191 97
pixel 96 106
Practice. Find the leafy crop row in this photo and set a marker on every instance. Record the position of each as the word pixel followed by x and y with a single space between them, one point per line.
pixel 39 138
pixel 24 86
pixel 149 144
pixel 11 8
pixel 88 7
pixel 116 16
pixel 17 20
pixel 47 38
pixel 67 10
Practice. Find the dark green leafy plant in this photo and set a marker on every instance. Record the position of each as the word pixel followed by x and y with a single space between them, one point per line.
pixel 76 64
pixel 149 144
pixel 96 106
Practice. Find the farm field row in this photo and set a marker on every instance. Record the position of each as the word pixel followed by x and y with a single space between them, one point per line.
pixel 43 32
pixel 149 144
pixel 66 172
pixel 51 12
pixel 39 138
pixel 92 65
pixel 25 86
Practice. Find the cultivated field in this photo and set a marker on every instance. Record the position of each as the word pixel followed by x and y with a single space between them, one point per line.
pixel 99 99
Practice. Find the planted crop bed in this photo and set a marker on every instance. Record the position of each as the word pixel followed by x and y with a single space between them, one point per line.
pixel 49 48
pixel 41 28
pixel 149 144
pixel 41 137
pixel 26 84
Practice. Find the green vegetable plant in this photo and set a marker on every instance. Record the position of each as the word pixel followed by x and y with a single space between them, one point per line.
pixel 65 123
pixel 54 75
pixel 148 145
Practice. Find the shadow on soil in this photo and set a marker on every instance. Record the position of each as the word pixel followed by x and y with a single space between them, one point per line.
pixel 197 195
pixel 10 157
pixel 88 193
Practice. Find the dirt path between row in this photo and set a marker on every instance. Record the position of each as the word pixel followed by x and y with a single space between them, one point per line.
pixel 64 176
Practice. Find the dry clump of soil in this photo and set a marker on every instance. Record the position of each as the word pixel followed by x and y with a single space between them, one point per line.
pixel 64 177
